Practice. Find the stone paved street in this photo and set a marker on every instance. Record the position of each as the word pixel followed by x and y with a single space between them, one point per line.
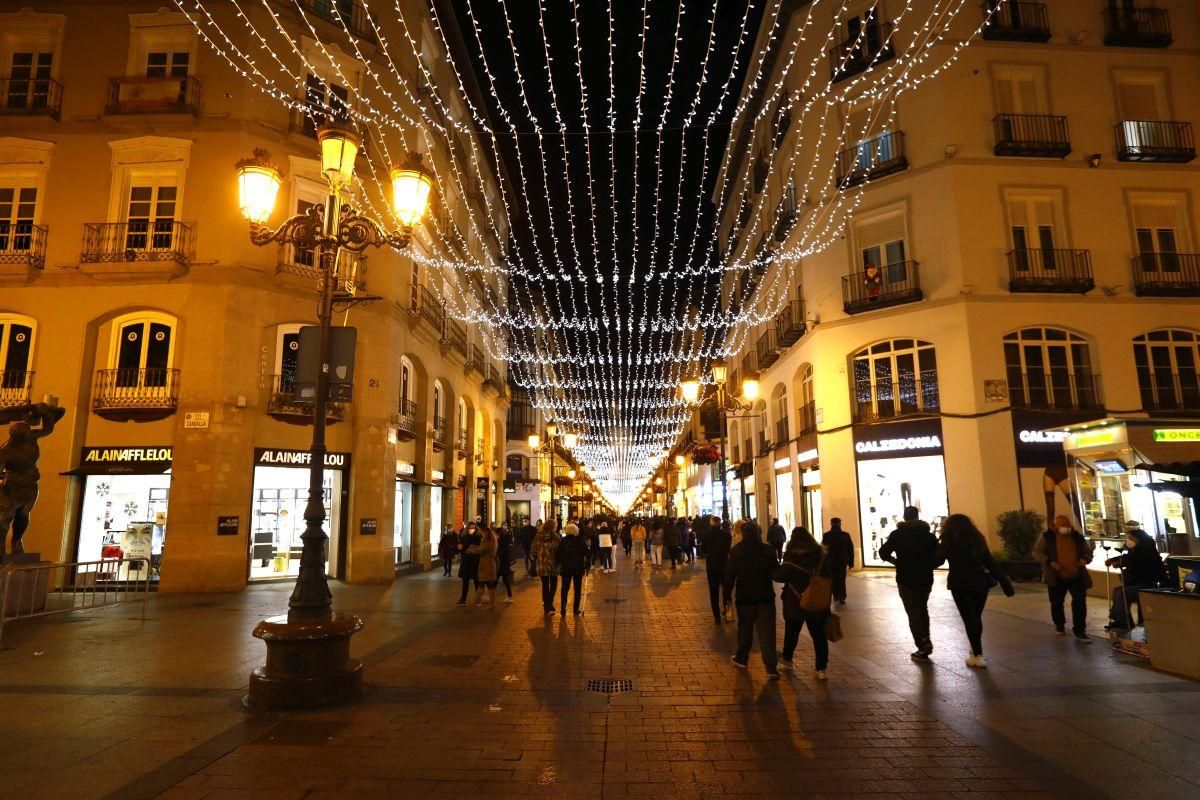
pixel 493 703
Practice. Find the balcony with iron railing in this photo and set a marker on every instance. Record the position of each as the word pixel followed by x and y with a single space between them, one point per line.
pixel 492 379
pixel 454 337
pixel 807 418
pixel 1169 392
pixel 522 419
pixel 441 433
pixel 138 240
pixel 1016 21
pixel 1155 141
pixel 871 159
pixel 23 244
pixel 782 433
pixel 893 285
pixel 16 388
pixel 30 97
pixel 349 13
pixel 766 349
pixel 1166 275
pixel 789 324
pixel 424 306
pixel 1031 135
pixel 1055 389
pixel 462 443
pixel 142 95
pixel 915 394
pixel 480 450
pixel 476 361
pixel 135 394
pixel 301 265
pixel 858 53
pixel 1128 26
pixel 285 403
pixel 1061 271
pixel 406 420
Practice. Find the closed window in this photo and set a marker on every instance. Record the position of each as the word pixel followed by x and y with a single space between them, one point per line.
pixel 324 100
pixel 17 207
pixel 1168 361
pixel 16 351
pixel 165 64
pixel 1161 232
pixel 895 378
pixel 1035 229
pixel 1049 368
pixel 29 80
pixel 287 357
pixel 143 353
pixel 150 214
pixel 882 246
pixel 1020 89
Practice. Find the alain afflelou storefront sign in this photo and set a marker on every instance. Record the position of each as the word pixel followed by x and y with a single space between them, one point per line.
pixel 900 439
pixel 276 457
pixel 139 460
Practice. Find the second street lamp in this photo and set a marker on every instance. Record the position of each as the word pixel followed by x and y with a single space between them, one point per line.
pixel 726 405
pixel 308 649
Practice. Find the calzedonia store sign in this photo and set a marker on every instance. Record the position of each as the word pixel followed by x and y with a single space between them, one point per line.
pixel 140 460
pixel 922 437
pixel 275 457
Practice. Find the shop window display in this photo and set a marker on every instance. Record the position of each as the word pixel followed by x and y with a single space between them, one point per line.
pixel 886 486
pixel 118 512
pixel 280 495
pixel 402 523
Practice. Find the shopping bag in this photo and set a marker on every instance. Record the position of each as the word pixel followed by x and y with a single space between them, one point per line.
pixel 833 628
pixel 818 595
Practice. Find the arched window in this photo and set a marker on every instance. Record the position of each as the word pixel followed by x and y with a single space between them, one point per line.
pixel 16 356
pixel 462 424
pixel 406 385
pixel 1049 368
pixel 780 401
pixel 439 412
pixel 807 409
pixel 1167 361
pixel 517 468
pixel 894 378
pixel 143 350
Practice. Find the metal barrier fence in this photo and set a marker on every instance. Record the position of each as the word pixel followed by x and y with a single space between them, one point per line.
pixel 29 591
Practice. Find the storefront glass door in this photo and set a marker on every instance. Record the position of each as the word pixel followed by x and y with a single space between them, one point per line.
pixel 785 506
pixel 118 510
pixel 402 523
pixel 435 517
pixel 280 495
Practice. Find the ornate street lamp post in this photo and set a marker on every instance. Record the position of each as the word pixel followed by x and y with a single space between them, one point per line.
pixel 726 405
pixel 308 649
pixel 555 437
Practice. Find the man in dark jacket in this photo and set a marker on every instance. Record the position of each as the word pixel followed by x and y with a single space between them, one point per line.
pixel 525 536
pixel 777 538
pixel 574 560
pixel 748 577
pixel 912 548
pixel 840 551
pixel 1141 568
pixel 1065 554
pixel 717 541
pixel 673 541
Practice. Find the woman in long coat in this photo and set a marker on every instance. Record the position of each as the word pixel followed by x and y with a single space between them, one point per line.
pixel 489 569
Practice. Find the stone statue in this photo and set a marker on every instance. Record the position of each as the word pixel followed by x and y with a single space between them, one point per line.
pixel 18 466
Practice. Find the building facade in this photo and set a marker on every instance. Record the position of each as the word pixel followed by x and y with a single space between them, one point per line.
pixel 133 295
pixel 1022 256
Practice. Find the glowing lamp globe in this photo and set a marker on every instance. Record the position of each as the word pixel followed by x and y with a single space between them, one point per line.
pixel 411 185
pixel 720 373
pixel 570 440
pixel 258 185
pixel 750 388
pixel 339 148
pixel 535 441
pixel 679 460
pixel 690 389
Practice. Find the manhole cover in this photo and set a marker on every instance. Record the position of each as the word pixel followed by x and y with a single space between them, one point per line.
pixel 610 686
pixel 301 733
pixel 450 661
pixel 615 600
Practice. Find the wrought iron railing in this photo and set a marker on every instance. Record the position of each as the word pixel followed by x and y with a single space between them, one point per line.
pixel 31 96
pixel 1050 271
pixel 406 418
pixel 440 431
pixel 789 324
pixel 138 240
pixel 1127 26
pixel 782 434
pixel 1016 21
pixel 1166 274
pixel 461 443
pixel 858 53
pixel 152 388
pixel 1038 135
pixel 492 378
pixel 766 348
pixel 424 304
pixel 475 359
pixel 871 158
pixel 23 243
pixel 347 276
pixel 142 95
pixel 351 13
pixel 1169 391
pixel 454 336
pixel 914 394
pixel 16 387
pixel 1162 141
pixel 891 285
pixel 285 400
pixel 1054 389
pixel 807 418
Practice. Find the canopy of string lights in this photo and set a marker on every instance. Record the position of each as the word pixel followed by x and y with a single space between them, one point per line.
pixel 605 127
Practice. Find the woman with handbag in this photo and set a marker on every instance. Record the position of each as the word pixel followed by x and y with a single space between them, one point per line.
pixel 973 572
pixel 807 578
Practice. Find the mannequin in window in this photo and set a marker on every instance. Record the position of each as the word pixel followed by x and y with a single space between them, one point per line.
pixel 18 466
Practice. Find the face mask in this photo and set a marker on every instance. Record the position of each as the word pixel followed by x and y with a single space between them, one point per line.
pixel 1065 529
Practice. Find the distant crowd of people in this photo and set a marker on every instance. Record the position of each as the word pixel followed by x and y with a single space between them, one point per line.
pixel 743 565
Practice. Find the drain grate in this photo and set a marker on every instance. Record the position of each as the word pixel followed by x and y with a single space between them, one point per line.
pixel 610 686
pixel 449 661
pixel 615 600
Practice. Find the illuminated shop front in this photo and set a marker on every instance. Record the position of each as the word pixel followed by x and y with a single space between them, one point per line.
pixel 280 495
pixel 1147 470
pixel 899 464
pixel 402 540
pixel 1045 484
pixel 785 498
pixel 123 517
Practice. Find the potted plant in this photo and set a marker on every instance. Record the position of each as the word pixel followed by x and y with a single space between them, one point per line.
pixel 1019 530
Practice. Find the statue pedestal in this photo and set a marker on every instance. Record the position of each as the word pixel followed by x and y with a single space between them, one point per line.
pixel 308 662
pixel 21 558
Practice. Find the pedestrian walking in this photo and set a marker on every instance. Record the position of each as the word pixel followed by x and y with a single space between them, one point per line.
pixel 717 542
pixel 505 558
pixel 573 563
pixel 1065 555
pixel 777 538
pixel 627 537
pixel 637 540
pixel 839 549
pixel 912 549
pixel 657 534
pixel 803 558
pixel 605 543
pixel 973 572
pixel 1141 568
pixel 672 541
pixel 687 535
pixel 488 571
pixel 468 564
pixel 525 536
pixel 447 548
pixel 748 585
pixel 545 552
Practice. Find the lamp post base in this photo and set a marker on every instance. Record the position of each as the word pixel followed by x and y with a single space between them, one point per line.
pixel 308 662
